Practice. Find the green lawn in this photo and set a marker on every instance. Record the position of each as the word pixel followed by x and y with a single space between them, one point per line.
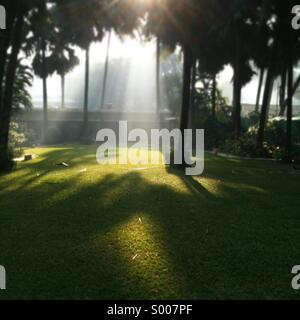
pixel 141 232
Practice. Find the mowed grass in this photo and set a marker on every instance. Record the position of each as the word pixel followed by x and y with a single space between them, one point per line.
pixel 146 232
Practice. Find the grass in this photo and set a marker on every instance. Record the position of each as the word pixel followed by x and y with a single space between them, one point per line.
pixel 143 232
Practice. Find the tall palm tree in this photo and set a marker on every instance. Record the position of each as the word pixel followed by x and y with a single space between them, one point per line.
pixel 65 61
pixel 83 22
pixel 43 67
pixel 19 28
pixel 289 105
pixel 10 71
pixel 40 44
pixel 283 37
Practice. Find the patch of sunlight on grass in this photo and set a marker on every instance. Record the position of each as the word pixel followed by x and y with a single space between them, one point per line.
pixel 44 150
pixel 160 177
pixel 135 156
pixel 143 255
pixel 15 180
pixel 216 187
pixel 211 185
pixel 245 187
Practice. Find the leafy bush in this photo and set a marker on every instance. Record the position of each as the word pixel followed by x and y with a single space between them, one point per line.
pixel 21 89
pixel 252 119
pixel 216 132
pixel 217 129
pixel 275 132
pixel 16 140
pixel 245 146
pixel 273 146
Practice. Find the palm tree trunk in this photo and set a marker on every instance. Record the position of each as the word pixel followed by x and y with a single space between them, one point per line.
pixel 261 79
pixel 289 109
pixel 186 94
pixel 213 96
pixel 282 93
pixel 86 89
pixel 45 94
pixel 294 89
pixel 5 40
pixel 270 97
pixel 296 85
pixel 266 98
pixel 193 94
pixel 63 91
pixel 6 109
pixel 158 106
pixel 105 71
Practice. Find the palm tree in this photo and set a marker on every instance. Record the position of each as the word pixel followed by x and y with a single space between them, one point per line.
pixel 65 61
pixel 240 14
pixel 22 82
pixel 18 13
pixel 289 105
pixel 187 72
pixel 161 25
pixel 283 37
pixel 40 43
pixel 86 88
pixel 5 41
pixel 83 22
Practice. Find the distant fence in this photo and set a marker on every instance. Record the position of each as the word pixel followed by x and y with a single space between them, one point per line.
pixel 273 111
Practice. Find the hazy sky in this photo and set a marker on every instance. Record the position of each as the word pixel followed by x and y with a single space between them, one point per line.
pixel 145 53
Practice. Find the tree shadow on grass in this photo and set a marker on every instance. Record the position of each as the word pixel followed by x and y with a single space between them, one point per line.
pixel 127 236
pixel 81 242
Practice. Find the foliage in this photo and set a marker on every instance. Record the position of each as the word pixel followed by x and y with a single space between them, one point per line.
pixel 16 139
pixel 276 132
pixel 204 93
pixel 244 146
pixel 65 60
pixel 22 83
pixel 172 83
pixel 251 120
pixel 217 128
pixel 40 40
pixel 273 146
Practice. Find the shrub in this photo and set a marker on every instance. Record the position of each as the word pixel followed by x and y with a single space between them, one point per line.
pixel 16 140
pixel 273 146
pixel 251 120
pixel 217 129
pixel 216 132
pixel 245 146
pixel 275 132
